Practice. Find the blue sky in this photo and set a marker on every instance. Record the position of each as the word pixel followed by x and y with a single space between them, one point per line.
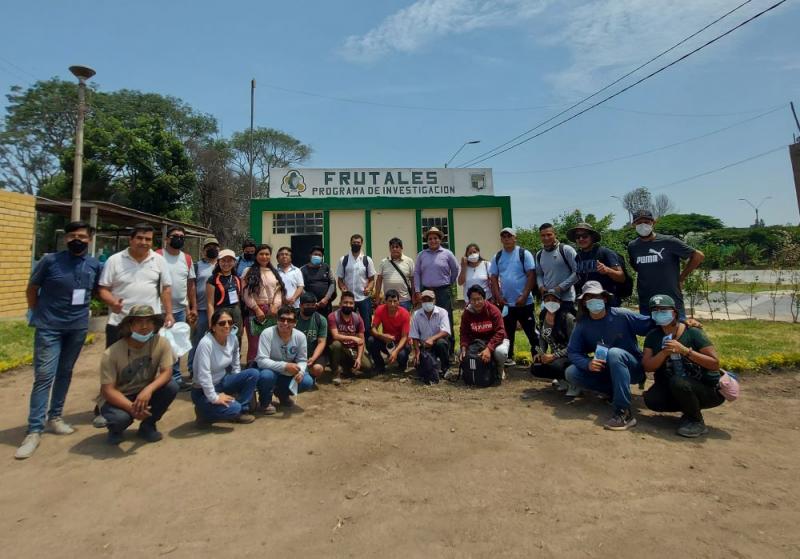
pixel 469 69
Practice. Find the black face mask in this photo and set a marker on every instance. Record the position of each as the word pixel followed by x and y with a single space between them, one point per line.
pixel 77 246
pixel 347 310
pixel 176 242
pixel 306 312
pixel 248 257
pixel 355 249
pixel 212 253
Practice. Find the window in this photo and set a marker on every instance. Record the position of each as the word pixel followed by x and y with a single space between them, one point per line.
pixel 478 181
pixel 441 224
pixel 296 223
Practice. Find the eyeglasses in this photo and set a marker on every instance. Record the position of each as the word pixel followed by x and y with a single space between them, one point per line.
pixel 286 319
pixel 583 236
pixel 225 323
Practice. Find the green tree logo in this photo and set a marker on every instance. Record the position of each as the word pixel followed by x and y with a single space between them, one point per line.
pixel 293 184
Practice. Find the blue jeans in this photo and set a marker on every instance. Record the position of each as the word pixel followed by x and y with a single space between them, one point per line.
pixel 364 308
pixel 119 420
pixel 180 316
pixel 55 353
pixel 200 329
pixel 622 369
pixel 242 384
pixel 376 346
pixel 273 381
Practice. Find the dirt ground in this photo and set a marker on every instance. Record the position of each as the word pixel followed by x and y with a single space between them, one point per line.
pixel 386 467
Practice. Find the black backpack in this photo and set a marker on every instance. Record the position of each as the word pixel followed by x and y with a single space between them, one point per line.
pixel 563 257
pixel 521 260
pixel 624 289
pixel 428 367
pixel 346 259
pixel 474 371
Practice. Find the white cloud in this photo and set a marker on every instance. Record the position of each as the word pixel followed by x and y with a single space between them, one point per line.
pixel 426 21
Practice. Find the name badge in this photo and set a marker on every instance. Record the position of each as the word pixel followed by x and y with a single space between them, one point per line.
pixel 601 352
pixel 233 297
pixel 78 296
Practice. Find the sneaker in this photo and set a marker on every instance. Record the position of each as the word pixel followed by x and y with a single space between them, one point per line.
pixel 115 438
pixel 60 427
pixel 561 385
pixel 510 363
pixel 200 421
pixel 286 402
pixel 451 376
pixel 622 421
pixel 149 433
pixel 29 445
pixel 245 418
pixel 572 391
pixel 184 386
pixel 692 429
pixel 269 409
pixel 337 381
pixel 99 422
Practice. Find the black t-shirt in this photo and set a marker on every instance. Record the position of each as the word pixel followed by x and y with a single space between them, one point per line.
pixel 658 265
pixel 586 267
pixel 317 279
pixel 229 284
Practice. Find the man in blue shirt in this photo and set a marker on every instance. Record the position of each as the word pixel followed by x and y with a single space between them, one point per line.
pixel 513 277
pixel 247 257
pixel 59 292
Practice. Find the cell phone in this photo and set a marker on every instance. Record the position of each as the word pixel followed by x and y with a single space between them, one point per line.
pixel 664 341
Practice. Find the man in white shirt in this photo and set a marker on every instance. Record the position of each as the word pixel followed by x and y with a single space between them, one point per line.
pixel 292 277
pixel 356 273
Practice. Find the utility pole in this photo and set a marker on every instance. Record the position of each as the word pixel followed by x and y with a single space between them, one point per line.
pixel 252 154
pixel 794 156
pixel 83 73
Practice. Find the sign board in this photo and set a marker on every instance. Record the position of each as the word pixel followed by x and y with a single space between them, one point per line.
pixel 372 183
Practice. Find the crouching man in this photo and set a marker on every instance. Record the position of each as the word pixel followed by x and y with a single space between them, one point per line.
pixel 136 376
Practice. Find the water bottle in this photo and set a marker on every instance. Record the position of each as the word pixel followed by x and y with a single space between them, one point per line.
pixel 675 363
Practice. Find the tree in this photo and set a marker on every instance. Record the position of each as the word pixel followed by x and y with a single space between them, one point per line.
pixel 270 148
pixel 662 205
pixel 637 199
pixel 681 224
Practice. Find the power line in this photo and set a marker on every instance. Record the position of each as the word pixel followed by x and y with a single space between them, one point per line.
pixel 646 152
pixel 481 158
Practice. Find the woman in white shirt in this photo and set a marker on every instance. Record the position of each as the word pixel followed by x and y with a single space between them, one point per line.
pixel 474 271
pixel 218 375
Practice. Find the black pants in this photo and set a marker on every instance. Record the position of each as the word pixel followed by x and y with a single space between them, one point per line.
pixel 112 335
pixel 523 316
pixel 553 370
pixel 119 420
pixel 444 300
pixel 682 394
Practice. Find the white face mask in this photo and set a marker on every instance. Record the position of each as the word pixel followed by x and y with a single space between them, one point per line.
pixel 552 306
pixel 474 257
pixel 427 306
pixel 644 229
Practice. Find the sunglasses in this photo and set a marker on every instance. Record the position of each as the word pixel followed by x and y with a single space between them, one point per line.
pixel 225 323
pixel 286 319
pixel 583 236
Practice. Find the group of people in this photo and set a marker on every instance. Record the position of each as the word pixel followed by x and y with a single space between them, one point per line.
pixel 583 339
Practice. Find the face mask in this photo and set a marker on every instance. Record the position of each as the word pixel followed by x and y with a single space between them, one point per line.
pixel 77 246
pixel 142 337
pixel 662 318
pixel 552 306
pixel 473 257
pixel 306 312
pixel 347 310
pixel 595 306
pixel 212 253
pixel 644 229
pixel 355 249
pixel 427 306
pixel 316 260
pixel 249 257
pixel 176 242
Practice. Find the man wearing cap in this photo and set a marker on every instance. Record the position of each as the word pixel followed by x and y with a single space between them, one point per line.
pixel 513 277
pixel 657 261
pixel 430 329
pixel 594 262
pixel 136 376
pixel 202 271
pixel 555 267
pixel 604 352
pixel 436 269
pixel 184 289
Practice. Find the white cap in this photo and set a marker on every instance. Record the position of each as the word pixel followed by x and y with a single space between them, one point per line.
pixel 509 230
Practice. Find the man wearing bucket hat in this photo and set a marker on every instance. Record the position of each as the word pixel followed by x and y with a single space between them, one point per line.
pixel 436 269
pixel 594 262
pixel 604 352
pixel 686 368
pixel 203 270
pixel 657 261
pixel 136 376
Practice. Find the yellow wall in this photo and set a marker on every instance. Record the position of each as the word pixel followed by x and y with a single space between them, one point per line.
pixel 17 216
pixel 387 224
pixel 344 223
pixel 477 225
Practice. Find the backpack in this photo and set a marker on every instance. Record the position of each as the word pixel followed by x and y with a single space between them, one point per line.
pixel 474 371
pixel 624 289
pixel 521 260
pixel 563 257
pixel 428 367
pixel 363 261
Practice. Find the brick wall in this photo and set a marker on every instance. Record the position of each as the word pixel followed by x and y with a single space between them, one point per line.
pixel 17 213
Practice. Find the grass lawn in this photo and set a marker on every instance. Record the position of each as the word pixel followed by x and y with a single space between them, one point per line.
pixel 16 344
pixel 739 287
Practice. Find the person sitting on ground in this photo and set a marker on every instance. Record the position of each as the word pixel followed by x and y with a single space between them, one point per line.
pixel 609 333
pixel 686 368
pixel 430 331
pixel 474 271
pixel 283 360
pixel 347 345
pixel 315 327
pixel 484 322
pixel 218 376
pixel 395 322
pixel 136 376
pixel 556 324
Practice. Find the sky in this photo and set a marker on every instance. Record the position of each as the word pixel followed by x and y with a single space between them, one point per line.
pixel 402 83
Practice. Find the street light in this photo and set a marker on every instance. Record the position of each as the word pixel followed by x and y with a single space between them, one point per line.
pixel 755 207
pixel 83 73
pixel 459 151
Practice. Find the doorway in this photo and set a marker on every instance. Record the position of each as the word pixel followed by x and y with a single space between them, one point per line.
pixel 301 247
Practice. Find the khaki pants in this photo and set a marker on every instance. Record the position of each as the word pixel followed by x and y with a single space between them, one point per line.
pixel 344 357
